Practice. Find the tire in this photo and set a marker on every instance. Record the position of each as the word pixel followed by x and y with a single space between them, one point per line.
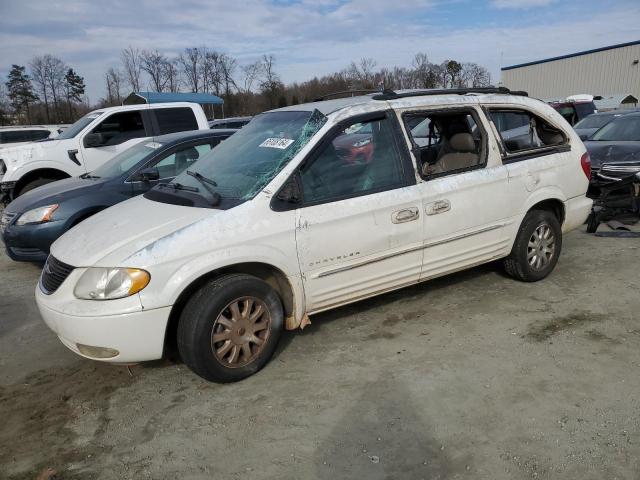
pixel 593 222
pixel 533 261
pixel 219 309
pixel 33 184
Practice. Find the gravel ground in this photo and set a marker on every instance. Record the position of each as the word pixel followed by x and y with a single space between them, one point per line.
pixel 469 376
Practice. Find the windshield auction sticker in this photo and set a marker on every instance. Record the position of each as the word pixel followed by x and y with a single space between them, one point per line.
pixel 280 143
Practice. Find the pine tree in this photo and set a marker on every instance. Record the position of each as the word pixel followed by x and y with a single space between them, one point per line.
pixel 20 90
pixel 74 88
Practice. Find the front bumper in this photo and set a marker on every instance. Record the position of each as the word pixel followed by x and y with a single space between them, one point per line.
pixel 31 243
pixel 134 336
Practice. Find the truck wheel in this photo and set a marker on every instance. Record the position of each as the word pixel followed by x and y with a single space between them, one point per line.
pixel 230 328
pixel 38 182
pixel 537 247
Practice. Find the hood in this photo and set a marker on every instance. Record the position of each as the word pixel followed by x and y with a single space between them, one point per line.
pixel 55 192
pixel 119 231
pixel 605 152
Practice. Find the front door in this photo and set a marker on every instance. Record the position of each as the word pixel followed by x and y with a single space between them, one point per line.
pixel 359 229
pixel 114 134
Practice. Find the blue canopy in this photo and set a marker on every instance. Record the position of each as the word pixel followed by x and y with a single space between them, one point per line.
pixel 168 97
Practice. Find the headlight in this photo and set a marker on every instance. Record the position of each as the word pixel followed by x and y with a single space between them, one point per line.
pixel 37 215
pixel 110 283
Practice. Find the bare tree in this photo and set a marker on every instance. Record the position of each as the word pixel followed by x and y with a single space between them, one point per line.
pixel 172 75
pixel 474 75
pixel 250 74
pixel 154 63
pixel 425 73
pixel 228 66
pixel 132 64
pixel 114 82
pixel 39 76
pixel 270 84
pixel 361 74
pixel 191 63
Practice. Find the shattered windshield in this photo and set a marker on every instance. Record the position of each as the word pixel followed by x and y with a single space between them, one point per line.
pixel 247 161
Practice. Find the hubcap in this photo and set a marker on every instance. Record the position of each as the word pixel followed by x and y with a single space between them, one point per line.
pixel 240 332
pixel 541 247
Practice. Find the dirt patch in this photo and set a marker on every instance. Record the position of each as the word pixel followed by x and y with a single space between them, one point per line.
pixel 40 411
pixel 541 332
pixel 598 336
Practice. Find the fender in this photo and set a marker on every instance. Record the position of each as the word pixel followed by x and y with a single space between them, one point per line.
pixel 21 171
pixel 181 274
pixel 542 194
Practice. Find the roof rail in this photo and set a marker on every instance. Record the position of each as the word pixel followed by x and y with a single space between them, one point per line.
pixel 391 95
pixel 345 92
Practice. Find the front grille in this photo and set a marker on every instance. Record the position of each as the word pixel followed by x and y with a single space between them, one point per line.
pixel 53 274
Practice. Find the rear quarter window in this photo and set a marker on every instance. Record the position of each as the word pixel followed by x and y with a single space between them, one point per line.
pixel 171 120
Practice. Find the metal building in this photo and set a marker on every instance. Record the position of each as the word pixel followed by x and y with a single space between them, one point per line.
pixel 605 71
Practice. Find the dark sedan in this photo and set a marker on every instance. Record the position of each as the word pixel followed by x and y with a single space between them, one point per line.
pixel 33 221
pixel 618 142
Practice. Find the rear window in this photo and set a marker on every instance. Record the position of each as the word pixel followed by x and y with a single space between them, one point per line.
pixel 594 121
pixel 171 120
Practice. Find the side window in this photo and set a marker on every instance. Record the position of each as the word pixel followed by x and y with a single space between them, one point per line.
pixel 172 120
pixel 118 128
pixel 521 130
pixel 361 158
pixel 177 162
pixel 446 142
pixel 38 134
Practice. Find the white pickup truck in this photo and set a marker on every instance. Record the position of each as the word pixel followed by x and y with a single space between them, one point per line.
pixel 91 141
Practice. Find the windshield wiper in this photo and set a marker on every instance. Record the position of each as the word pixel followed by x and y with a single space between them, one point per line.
pixel 179 186
pixel 215 196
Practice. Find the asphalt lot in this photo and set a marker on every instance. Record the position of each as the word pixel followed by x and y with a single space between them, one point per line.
pixel 469 376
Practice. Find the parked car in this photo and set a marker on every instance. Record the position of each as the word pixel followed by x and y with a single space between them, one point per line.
pixel 590 125
pixel 574 111
pixel 277 224
pixel 33 221
pixel 90 142
pixel 229 122
pixel 618 142
pixel 19 134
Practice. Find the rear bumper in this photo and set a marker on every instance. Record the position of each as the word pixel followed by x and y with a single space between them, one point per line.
pixel 133 337
pixel 576 211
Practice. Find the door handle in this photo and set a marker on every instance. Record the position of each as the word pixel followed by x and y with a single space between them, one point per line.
pixel 405 215
pixel 439 206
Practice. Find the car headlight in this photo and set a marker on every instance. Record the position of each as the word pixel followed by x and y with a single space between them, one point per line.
pixel 110 283
pixel 37 215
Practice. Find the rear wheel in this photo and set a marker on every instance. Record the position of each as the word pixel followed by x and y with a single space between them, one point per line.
pixel 230 328
pixel 537 247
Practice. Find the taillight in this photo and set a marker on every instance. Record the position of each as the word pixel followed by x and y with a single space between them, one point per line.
pixel 585 162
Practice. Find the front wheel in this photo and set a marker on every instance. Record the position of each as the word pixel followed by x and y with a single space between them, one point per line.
pixel 230 328
pixel 537 247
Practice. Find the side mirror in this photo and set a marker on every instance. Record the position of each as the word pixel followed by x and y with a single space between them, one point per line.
pixel 289 195
pixel 147 175
pixel 92 140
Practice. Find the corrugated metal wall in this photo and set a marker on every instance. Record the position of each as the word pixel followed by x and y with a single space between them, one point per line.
pixel 600 73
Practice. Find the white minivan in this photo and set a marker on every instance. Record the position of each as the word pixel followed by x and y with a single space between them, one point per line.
pixel 310 207
pixel 91 141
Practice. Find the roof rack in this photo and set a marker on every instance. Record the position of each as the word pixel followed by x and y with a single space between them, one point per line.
pixel 345 92
pixel 391 95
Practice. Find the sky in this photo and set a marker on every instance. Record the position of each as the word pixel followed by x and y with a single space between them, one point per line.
pixel 311 37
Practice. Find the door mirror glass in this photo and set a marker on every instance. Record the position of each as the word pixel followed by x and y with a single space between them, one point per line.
pixel 147 175
pixel 92 140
